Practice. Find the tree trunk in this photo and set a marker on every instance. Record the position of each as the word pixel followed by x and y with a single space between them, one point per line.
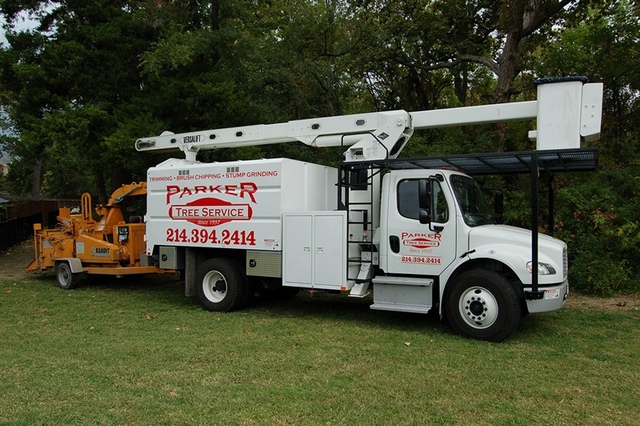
pixel 36 185
pixel 508 71
pixel 521 19
pixel 101 186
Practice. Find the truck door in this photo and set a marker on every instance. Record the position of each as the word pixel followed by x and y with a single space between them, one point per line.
pixel 421 234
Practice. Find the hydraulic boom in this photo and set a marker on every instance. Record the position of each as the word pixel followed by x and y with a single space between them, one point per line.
pixel 566 111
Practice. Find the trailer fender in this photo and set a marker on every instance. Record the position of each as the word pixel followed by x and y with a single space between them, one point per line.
pixel 74 263
pixel 68 273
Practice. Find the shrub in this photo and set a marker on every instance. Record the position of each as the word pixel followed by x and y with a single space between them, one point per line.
pixel 599 218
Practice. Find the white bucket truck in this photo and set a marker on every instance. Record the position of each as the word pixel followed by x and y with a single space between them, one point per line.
pixel 417 232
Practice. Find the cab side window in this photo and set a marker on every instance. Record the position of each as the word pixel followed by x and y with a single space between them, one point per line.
pixel 440 208
pixel 409 203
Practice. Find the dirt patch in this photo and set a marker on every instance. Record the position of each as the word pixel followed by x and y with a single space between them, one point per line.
pixel 14 260
pixel 616 303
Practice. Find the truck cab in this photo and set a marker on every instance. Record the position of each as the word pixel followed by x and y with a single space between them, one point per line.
pixel 437 230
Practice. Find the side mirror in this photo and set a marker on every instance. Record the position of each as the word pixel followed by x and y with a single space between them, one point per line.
pixel 424 194
pixel 424 202
pixel 424 217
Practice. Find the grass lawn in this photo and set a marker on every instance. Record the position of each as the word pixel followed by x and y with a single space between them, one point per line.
pixel 138 352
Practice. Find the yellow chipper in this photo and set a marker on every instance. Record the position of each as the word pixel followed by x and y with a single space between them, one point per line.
pixel 113 243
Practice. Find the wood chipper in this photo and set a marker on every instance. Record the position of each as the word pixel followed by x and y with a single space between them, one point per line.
pixel 111 244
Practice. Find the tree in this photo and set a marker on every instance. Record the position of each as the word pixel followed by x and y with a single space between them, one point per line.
pixel 600 217
pixel 261 62
pixel 26 95
pixel 82 62
pixel 447 47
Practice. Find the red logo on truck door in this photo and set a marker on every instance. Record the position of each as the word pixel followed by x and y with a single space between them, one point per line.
pixel 210 211
pixel 419 244
pixel 421 240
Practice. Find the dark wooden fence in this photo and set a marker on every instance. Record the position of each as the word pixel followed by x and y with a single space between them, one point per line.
pixel 16 230
pixel 17 218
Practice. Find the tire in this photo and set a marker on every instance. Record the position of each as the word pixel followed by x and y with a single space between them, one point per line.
pixel 483 305
pixel 66 279
pixel 221 285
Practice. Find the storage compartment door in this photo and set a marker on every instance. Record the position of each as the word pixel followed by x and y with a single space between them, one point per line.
pixel 330 247
pixel 315 250
pixel 297 262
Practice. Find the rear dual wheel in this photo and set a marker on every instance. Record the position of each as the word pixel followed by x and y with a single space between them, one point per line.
pixel 222 285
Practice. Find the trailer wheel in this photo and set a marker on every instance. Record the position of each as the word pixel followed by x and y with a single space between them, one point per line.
pixel 221 285
pixel 66 279
pixel 483 305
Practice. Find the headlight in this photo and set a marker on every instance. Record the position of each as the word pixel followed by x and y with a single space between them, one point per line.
pixel 543 268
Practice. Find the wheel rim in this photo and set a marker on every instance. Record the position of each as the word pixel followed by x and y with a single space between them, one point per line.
pixel 214 286
pixel 64 275
pixel 478 307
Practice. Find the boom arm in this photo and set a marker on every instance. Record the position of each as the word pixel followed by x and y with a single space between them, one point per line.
pixel 567 111
pixel 369 130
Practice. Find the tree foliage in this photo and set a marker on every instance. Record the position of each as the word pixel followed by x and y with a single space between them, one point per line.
pixel 600 215
pixel 75 71
pixel 94 75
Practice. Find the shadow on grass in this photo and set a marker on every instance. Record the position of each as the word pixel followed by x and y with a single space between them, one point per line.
pixel 168 290
pixel 160 288
pixel 341 308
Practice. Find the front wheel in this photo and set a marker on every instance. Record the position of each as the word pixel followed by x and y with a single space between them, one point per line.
pixel 65 278
pixel 483 305
pixel 221 285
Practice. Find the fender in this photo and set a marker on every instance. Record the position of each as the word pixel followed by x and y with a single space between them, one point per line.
pixel 74 263
pixel 516 258
pixel 511 247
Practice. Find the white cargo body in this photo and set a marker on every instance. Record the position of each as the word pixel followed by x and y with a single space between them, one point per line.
pixel 233 204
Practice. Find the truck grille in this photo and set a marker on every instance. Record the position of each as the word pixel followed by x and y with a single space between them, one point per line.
pixel 565 263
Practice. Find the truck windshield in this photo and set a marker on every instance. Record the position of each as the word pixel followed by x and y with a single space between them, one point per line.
pixel 475 209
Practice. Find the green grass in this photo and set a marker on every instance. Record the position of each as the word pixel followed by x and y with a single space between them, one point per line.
pixel 138 352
